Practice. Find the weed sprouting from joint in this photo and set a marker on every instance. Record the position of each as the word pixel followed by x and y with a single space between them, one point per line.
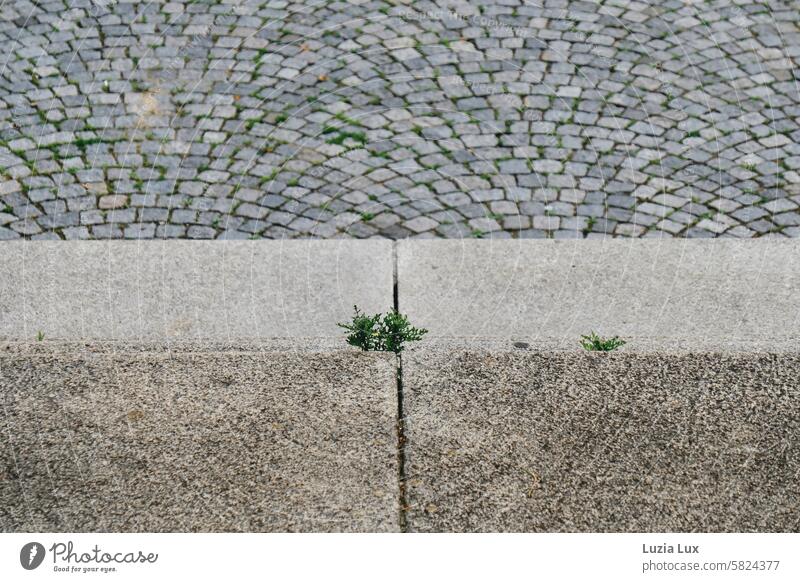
pixel 382 333
pixel 595 343
pixel 363 330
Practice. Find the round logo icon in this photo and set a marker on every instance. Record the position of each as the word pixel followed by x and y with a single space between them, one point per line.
pixel 31 555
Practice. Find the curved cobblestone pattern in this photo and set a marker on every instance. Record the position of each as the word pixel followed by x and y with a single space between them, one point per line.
pixel 493 118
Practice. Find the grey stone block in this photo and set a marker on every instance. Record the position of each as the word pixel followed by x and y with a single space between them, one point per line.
pixel 138 290
pixel 564 440
pixel 696 291
pixel 149 438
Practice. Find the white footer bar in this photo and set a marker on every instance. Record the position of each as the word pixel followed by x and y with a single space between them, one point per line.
pixel 371 557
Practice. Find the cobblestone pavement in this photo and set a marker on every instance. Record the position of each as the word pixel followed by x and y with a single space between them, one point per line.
pixel 488 118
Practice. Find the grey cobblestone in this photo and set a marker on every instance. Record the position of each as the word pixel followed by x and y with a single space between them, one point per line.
pixel 490 119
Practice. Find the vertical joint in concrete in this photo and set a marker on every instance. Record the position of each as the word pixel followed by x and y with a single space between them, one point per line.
pixel 401 439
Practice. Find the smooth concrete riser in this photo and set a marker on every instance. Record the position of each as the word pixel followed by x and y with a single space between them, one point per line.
pixel 189 290
pixel 694 291
pixel 155 440
pixel 619 442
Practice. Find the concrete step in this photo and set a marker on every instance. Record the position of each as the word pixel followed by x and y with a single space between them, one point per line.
pixel 671 290
pixel 150 438
pixel 540 290
pixel 193 419
pixel 544 440
pixel 179 290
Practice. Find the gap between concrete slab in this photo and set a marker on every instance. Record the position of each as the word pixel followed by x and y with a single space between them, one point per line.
pixel 402 502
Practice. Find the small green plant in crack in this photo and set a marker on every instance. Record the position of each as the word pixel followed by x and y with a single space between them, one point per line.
pixel 86 142
pixel 595 343
pixel 347 120
pixel 357 136
pixel 382 333
pixel 39 336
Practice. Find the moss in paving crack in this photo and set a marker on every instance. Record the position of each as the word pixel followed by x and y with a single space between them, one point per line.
pixel 86 142
pixel 382 333
pixel 595 343
pixel 357 136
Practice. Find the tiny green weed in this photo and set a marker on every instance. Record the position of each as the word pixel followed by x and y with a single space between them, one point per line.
pixel 595 343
